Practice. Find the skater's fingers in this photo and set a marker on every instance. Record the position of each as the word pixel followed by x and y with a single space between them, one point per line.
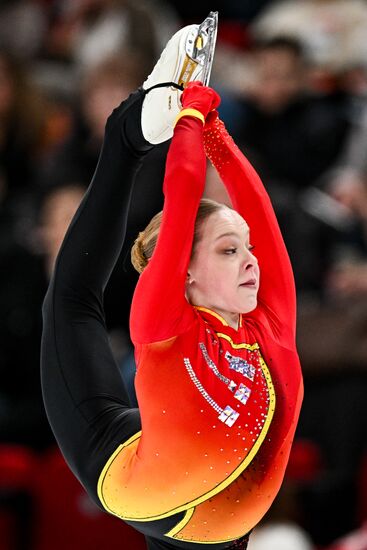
pixel 215 100
pixel 193 91
pixel 212 116
pixel 197 88
pixel 200 97
pixel 193 84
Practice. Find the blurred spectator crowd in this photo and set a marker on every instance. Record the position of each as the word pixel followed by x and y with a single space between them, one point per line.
pixel 293 79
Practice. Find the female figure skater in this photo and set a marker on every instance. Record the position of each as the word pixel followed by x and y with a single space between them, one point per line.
pixel 218 379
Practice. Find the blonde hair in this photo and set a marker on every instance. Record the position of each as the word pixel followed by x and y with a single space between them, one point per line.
pixel 145 242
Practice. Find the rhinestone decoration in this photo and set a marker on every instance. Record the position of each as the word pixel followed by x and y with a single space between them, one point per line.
pixel 242 393
pixel 199 386
pixel 213 366
pixel 240 365
pixel 227 415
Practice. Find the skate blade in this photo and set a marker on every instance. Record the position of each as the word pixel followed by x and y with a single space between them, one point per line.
pixel 200 48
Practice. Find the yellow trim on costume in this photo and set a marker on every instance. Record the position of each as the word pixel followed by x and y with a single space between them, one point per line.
pixel 107 465
pixel 189 507
pixel 220 541
pixel 181 524
pixel 214 313
pixel 244 464
pixel 190 112
pixel 237 346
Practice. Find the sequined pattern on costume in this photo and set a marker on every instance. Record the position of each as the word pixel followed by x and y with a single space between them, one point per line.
pixel 241 392
pixel 226 415
pixel 215 150
pixel 240 365
pixel 214 368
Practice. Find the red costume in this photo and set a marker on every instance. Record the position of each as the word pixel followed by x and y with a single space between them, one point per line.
pixel 218 406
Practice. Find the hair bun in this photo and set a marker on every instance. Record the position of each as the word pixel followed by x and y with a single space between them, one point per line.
pixel 144 245
pixel 138 257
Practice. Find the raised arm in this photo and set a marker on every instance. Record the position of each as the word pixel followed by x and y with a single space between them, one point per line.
pixel 276 297
pixel 159 309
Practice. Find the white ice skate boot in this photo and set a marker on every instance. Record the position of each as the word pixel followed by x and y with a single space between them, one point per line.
pixel 188 56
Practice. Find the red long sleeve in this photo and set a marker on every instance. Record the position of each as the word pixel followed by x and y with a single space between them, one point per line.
pixel 159 308
pixel 276 297
pixel 218 405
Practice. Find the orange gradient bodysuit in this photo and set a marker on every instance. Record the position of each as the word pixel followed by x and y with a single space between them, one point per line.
pixel 218 406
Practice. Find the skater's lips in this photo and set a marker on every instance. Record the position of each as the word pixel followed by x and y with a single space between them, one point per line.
pixel 251 283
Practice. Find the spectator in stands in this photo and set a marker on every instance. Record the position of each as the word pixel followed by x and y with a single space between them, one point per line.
pixel 333 30
pixel 89 31
pixel 332 344
pixel 292 137
pixel 77 158
pixel 102 88
pixel 21 124
pixel 348 185
pixel 58 208
pixel 348 277
pixel 348 182
pixel 30 19
pixel 24 278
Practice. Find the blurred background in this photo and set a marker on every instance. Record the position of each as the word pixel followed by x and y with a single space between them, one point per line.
pixel 293 79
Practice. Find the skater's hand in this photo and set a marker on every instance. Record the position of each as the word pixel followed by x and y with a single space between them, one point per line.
pixel 212 119
pixel 199 97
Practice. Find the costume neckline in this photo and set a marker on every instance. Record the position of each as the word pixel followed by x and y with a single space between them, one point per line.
pixel 219 317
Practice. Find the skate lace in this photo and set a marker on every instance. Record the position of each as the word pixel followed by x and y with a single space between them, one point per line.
pixel 163 85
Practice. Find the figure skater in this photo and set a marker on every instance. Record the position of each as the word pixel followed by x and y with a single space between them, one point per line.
pixel 218 379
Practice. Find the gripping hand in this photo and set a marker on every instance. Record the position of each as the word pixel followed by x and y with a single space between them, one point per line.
pixel 201 99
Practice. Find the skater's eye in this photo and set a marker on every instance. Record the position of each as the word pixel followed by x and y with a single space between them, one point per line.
pixel 230 251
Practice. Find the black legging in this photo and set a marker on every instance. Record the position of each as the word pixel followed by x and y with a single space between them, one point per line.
pixel 86 402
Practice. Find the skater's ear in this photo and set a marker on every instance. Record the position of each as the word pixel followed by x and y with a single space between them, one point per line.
pixel 189 278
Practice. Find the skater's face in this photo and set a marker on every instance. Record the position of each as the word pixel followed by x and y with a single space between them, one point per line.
pixel 224 273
